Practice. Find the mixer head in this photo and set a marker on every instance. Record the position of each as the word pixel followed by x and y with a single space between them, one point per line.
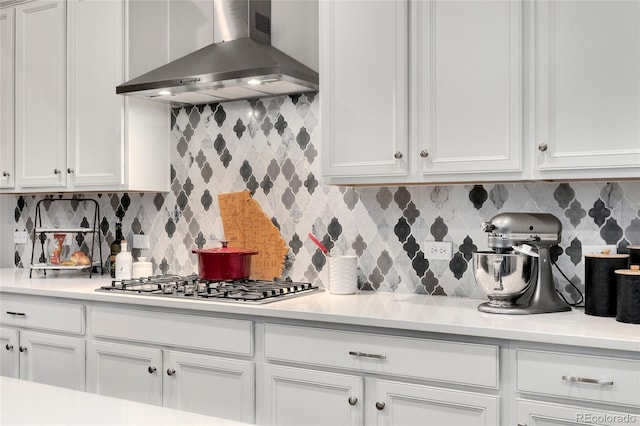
pixel 510 229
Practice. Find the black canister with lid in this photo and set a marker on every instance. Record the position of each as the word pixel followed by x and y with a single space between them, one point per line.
pixel 634 255
pixel 628 294
pixel 600 282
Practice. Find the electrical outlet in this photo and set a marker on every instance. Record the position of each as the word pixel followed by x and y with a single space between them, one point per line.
pixel 597 249
pixel 438 250
pixel 20 237
pixel 140 241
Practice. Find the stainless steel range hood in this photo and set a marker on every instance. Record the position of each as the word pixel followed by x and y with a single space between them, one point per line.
pixel 240 64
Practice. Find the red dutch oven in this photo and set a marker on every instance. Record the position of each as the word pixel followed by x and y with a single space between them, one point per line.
pixel 224 263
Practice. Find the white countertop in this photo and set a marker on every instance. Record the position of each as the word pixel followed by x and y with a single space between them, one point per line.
pixel 28 403
pixel 437 314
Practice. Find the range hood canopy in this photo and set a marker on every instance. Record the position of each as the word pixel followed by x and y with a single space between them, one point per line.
pixel 240 64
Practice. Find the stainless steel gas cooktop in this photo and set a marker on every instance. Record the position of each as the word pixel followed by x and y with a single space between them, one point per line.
pixel 192 286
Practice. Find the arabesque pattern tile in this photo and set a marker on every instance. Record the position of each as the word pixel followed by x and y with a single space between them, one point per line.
pixel 271 147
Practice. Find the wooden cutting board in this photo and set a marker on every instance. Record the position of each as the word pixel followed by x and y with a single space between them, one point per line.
pixel 247 226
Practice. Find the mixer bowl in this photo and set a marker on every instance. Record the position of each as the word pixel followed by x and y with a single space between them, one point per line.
pixel 503 277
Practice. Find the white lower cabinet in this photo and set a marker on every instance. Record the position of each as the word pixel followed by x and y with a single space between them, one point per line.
pixel 296 396
pixel 532 413
pixel 32 346
pixel 409 404
pixel 9 359
pixel 600 388
pixel 209 385
pixel 44 358
pixel 370 379
pixel 157 358
pixel 124 371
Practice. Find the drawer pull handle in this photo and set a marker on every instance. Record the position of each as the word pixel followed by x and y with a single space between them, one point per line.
pixel 584 380
pixel 170 371
pixel 366 355
pixel 21 314
pixel 380 405
pixel 353 400
pixel 151 370
pixel 8 347
pixel 22 348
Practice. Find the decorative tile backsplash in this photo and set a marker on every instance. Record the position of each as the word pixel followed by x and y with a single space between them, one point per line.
pixel 271 147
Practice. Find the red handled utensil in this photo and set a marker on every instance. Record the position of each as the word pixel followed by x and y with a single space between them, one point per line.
pixel 319 244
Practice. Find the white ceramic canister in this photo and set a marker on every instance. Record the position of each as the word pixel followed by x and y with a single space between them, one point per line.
pixel 343 274
pixel 141 268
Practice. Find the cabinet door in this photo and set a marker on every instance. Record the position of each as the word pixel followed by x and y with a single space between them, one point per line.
pixel 300 397
pixel 52 359
pixel 468 108
pixel 209 385
pixel 364 76
pixel 532 413
pixel 7 61
pixel 408 404
pixel 125 371
pixel 588 88
pixel 95 68
pixel 40 94
pixel 9 360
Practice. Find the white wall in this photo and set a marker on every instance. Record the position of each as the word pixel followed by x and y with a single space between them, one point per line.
pixel 295 29
pixel 7 206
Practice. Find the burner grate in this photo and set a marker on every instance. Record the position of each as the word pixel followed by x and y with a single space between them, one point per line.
pixel 254 291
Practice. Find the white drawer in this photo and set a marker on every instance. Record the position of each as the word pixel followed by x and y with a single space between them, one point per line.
pixel 43 315
pixel 187 331
pixel 452 362
pixel 570 376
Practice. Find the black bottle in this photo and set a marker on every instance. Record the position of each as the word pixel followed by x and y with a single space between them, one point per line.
pixel 115 249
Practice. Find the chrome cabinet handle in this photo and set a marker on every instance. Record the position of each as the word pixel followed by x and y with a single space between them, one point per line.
pixel 70 170
pixel 6 174
pixel 366 355
pixel 353 400
pixel 151 370
pixel 20 314
pixel 522 424
pixel 22 348
pixel 380 405
pixel 585 380
pixel 543 147
pixel 56 171
pixel 424 153
pixel 397 155
pixel 8 347
pixel 170 371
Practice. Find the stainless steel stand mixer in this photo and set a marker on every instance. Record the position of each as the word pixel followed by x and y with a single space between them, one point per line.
pixel 516 278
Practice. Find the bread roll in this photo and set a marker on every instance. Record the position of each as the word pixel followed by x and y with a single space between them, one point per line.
pixel 79 258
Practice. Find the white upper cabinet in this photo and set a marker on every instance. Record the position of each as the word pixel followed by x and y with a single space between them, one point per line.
pixel 473 91
pixel 468 106
pixel 40 94
pixel 7 59
pixel 96 44
pixel 588 89
pixel 364 84
pixel 72 132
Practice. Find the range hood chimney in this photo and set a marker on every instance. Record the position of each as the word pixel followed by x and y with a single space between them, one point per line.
pixel 240 64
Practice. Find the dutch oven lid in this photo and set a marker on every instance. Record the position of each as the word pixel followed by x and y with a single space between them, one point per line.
pixel 225 250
